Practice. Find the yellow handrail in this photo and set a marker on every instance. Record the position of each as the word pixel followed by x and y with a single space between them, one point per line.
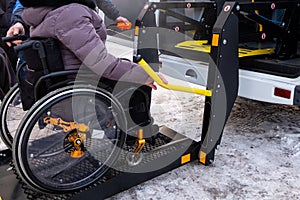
pixel 157 79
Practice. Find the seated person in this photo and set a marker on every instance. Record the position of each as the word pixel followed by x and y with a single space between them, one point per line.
pixel 82 37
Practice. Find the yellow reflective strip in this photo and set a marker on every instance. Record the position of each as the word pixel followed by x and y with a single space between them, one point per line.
pixel 202 157
pixel 136 30
pixel 156 78
pixel 215 40
pixel 186 158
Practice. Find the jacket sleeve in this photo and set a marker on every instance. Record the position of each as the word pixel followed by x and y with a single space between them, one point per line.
pixel 109 9
pixel 79 35
pixel 17 6
pixel 17 16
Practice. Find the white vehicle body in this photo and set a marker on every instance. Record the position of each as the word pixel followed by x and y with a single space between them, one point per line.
pixel 252 85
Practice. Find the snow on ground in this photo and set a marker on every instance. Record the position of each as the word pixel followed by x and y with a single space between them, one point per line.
pixel 2 146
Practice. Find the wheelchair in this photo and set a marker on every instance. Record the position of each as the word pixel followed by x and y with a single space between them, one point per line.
pixel 10 105
pixel 75 126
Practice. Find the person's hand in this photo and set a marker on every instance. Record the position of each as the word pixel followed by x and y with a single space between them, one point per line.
pixel 122 19
pixel 16 29
pixel 149 82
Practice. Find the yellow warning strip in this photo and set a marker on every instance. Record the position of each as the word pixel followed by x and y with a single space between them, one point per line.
pixel 201 45
pixel 186 158
pixel 202 158
pixel 156 78
pixel 215 40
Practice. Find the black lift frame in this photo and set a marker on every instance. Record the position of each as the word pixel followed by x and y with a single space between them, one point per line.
pixel 220 26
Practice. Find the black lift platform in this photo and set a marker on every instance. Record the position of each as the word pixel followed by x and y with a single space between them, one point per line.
pixel 169 151
pixel 9 185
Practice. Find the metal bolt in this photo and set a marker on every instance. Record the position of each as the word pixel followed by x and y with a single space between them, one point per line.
pixel 224 41
pixel 238 7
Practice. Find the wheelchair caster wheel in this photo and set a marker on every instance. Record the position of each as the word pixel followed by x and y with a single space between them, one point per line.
pixel 134 160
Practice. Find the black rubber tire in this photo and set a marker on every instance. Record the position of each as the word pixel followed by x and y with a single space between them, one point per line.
pixel 51 170
pixel 7 131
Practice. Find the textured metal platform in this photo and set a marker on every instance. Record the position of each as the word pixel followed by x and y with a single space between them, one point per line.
pixel 166 149
pixel 10 189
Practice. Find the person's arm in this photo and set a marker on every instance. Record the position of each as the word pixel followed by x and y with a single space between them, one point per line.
pixel 79 35
pixel 18 26
pixel 111 11
pixel 17 6
pixel 16 16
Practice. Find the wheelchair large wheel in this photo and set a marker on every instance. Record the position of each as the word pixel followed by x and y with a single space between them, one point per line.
pixel 52 156
pixel 11 113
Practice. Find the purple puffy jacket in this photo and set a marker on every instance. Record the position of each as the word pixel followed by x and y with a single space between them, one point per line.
pixel 82 34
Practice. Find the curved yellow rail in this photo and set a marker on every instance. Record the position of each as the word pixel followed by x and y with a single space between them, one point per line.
pixel 156 78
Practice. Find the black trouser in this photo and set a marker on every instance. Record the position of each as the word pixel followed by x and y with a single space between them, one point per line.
pixel 136 101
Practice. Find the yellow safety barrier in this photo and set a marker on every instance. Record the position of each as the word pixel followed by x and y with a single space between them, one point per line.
pixel 157 79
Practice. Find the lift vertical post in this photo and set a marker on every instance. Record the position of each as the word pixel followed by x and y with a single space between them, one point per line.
pixel 222 80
